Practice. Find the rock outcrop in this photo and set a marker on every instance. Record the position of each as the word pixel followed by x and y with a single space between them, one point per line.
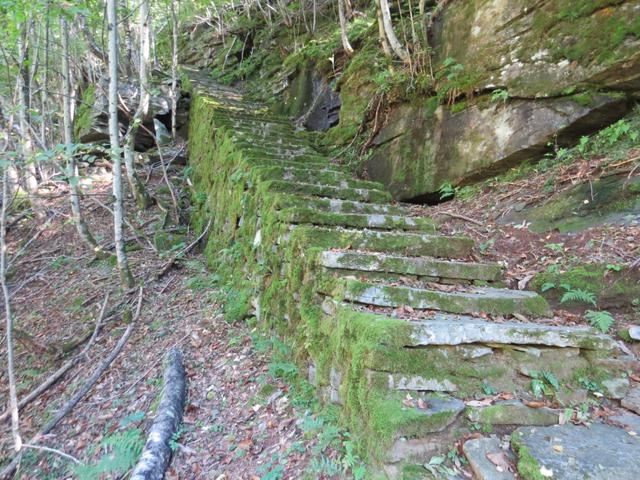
pixel 548 58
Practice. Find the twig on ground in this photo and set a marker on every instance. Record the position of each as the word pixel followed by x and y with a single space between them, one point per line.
pixel 52 379
pixel 6 473
pixel 53 450
pixel 462 217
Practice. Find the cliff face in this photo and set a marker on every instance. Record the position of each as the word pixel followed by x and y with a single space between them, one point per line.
pixel 532 70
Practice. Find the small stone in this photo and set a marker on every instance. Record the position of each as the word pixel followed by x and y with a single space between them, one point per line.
pixel 634 332
pixel 632 400
pixel 616 388
pixel 479 451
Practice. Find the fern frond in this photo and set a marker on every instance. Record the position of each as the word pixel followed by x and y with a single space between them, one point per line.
pixel 601 320
pixel 578 295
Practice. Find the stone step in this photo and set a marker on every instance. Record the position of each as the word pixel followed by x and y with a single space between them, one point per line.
pixel 444 329
pixel 404 243
pixel 419 266
pixel 311 175
pixel 310 162
pixel 492 301
pixel 374 221
pixel 427 414
pixel 476 451
pixel 339 206
pixel 330 191
pixel 240 117
pixel 575 452
pixel 271 134
pixel 275 150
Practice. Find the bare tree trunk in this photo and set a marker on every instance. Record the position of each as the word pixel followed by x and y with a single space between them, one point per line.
pixel 83 229
pixel 126 279
pixel 174 67
pixel 128 40
pixel 381 35
pixel 45 81
pixel 387 24
pixel 13 397
pixel 137 188
pixel 343 29
pixel 30 177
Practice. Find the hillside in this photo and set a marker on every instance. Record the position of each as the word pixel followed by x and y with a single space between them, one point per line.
pixel 321 239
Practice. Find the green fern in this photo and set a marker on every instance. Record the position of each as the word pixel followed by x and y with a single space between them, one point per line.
pixel 602 320
pixel 578 295
pixel 121 452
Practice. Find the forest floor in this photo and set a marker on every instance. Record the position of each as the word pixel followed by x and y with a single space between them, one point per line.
pixel 245 418
pixel 241 421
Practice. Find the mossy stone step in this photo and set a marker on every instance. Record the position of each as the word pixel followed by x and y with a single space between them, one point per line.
pixel 275 150
pixel 283 201
pixel 322 166
pixel 400 242
pixel 359 220
pixel 305 161
pixel 344 193
pixel 276 134
pixel 257 118
pixel 445 329
pixel 419 266
pixel 493 301
pixel 272 142
pixel 391 418
pixel 311 175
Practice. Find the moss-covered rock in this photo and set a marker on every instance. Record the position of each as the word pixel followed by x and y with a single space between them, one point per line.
pixel 612 285
pixel 609 200
pixel 416 152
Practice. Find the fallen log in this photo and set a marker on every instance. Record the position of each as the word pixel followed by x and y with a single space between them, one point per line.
pixel 157 451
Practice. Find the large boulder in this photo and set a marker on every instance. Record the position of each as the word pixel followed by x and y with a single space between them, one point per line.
pixel 91 123
pixel 539 48
pixel 550 57
pixel 419 149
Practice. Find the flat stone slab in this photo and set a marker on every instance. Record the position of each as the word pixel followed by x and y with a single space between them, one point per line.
pixel 458 330
pixel 512 412
pixel 571 452
pixel 400 242
pixel 344 193
pixel 398 381
pixel 496 301
pixel 358 220
pixel 476 451
pixel 632 400
pixel 421 266
pixel 335 205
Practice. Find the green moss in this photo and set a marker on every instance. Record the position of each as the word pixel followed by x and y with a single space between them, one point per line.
pixel 611 288
pixel 83 120
pixel 528 466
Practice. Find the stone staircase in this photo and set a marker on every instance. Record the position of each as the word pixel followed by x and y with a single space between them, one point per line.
pixel 392 319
